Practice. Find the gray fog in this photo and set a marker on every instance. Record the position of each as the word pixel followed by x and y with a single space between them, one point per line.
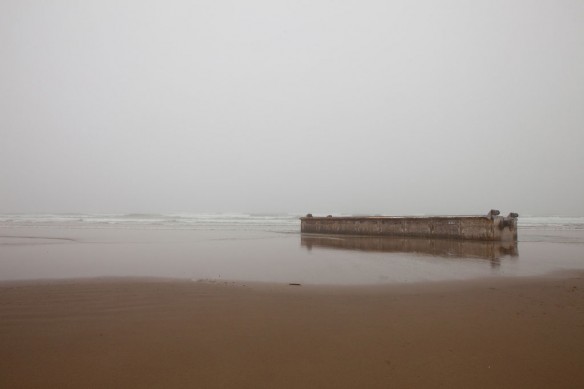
pixel 382 107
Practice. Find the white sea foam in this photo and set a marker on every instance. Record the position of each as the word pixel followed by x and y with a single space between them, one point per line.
pixel 284 223
pixel 231 221
pixel 551 222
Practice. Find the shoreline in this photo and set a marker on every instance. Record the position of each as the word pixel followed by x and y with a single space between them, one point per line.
pixel 55 253
pixel 269 285
pixel 551 275
pixel 159 332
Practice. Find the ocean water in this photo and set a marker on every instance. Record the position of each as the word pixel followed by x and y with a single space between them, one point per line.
pixel 268 248
pixel 289 223
pixel 218 221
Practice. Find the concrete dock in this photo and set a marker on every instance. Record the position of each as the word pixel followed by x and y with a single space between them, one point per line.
pixel 489 227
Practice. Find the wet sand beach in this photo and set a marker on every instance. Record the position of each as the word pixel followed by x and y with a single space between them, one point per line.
pixel 502 332
pixel 154 308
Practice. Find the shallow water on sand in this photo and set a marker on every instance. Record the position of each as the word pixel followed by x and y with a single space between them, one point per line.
pixel 63 252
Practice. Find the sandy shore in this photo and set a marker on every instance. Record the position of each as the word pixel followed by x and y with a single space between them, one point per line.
pixel 106 333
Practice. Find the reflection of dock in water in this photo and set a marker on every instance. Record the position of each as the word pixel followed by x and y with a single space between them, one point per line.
pixel 492 250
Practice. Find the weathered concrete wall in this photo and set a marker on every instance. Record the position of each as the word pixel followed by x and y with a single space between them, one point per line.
pixel 489 227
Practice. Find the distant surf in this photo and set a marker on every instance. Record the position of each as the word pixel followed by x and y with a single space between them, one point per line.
pixel 231 221
pixel 220 221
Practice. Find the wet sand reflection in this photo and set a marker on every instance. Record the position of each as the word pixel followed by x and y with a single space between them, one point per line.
pixel 446 248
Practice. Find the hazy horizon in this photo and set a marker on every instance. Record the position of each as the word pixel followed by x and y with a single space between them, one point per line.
pixel 213 214
pixel 382 107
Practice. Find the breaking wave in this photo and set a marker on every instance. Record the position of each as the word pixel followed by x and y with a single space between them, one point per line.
pixel 283 223
pixel 213 221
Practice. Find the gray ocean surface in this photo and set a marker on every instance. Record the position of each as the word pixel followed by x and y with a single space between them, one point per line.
pixel 268 248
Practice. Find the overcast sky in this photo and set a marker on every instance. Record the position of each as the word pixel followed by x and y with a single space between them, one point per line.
pixel 391 107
